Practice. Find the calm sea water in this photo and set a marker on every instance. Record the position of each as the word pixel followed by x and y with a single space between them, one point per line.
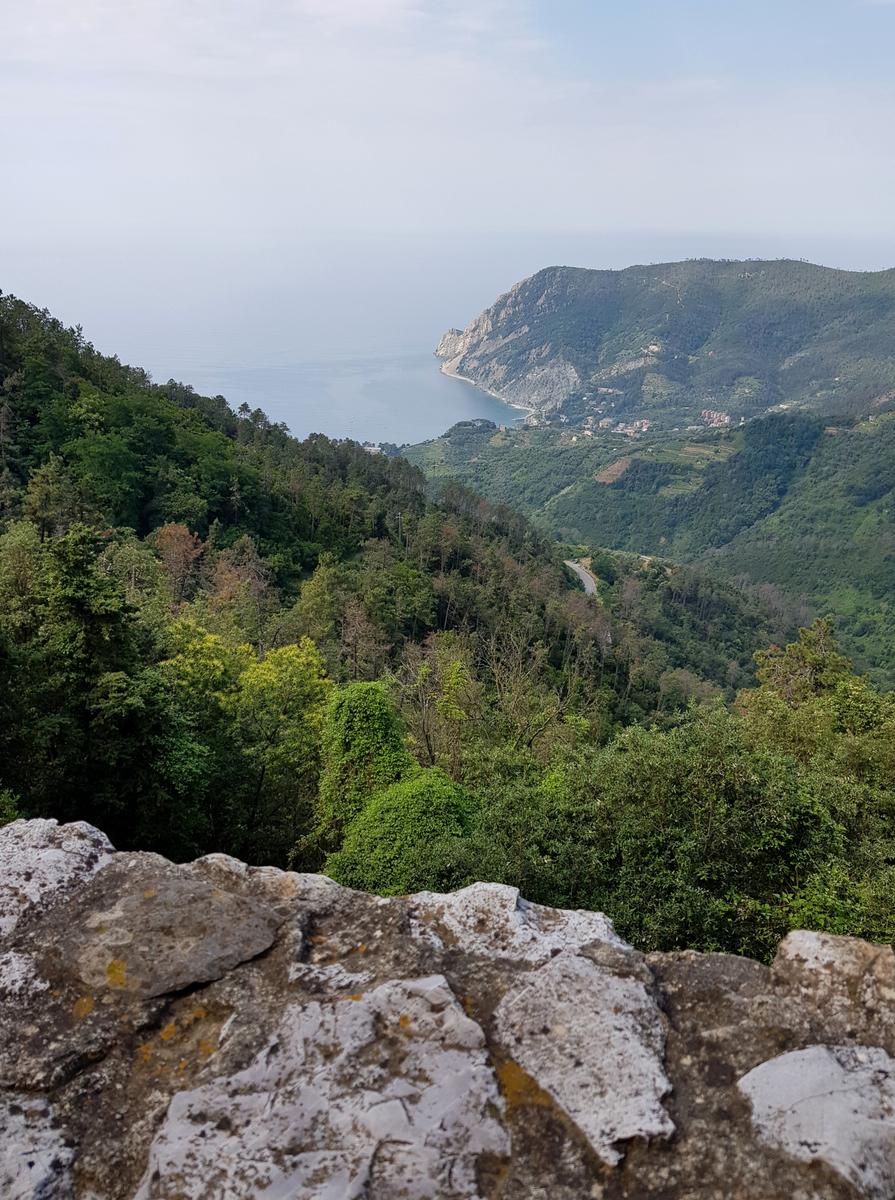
pixel 399 398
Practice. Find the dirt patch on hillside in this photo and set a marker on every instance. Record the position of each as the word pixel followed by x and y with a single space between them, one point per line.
pixel 613 471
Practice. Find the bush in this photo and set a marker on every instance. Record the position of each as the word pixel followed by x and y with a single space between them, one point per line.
pixel 8 808
pixel 410 837
pixel 689 837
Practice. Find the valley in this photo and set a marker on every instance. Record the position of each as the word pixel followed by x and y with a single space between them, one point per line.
pixel 787 489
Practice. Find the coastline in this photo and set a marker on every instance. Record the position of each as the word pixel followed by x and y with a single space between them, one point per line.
pixel 451 374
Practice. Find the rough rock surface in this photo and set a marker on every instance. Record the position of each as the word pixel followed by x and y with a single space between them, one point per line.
pixel 213 1030
pixel 541 380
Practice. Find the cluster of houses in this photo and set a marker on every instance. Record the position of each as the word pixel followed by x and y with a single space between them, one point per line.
pixel 715 420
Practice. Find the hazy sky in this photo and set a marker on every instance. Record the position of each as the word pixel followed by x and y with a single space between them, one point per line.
pixel 268 145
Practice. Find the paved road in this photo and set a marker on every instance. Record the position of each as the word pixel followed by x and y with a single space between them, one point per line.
pixel 590 584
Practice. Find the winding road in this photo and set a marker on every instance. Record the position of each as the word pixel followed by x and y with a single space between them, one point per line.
pixel 590 584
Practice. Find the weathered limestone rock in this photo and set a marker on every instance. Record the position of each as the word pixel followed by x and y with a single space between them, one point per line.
pixel 593 1041
pixel 148 928
pixel 389 1093
pixel 831 1103
pixel 215 1030
pixel 39 859
pixel 34 1159
pixel 494 920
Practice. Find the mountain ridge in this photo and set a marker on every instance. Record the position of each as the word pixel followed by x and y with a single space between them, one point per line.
pixel 739 337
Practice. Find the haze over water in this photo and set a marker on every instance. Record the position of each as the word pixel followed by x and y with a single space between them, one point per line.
pixel 401 398
pixel 337 336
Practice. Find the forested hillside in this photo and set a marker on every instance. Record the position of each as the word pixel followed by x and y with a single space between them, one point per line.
pixel 215 637
pixel 665 342
pixel 798 508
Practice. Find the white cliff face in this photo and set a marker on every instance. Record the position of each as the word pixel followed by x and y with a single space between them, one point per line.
pixel 215 1030
pixel 543 380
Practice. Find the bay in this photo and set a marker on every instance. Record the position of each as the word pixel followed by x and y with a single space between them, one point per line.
pixel 390 398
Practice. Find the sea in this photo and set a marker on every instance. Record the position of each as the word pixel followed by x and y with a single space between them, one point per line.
pixel 398 398
pixel 332 334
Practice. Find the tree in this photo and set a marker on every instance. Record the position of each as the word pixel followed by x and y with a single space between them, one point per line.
pixel 277 711
pixel 689 837
pixel 363 752
pixel 363 649
pixel 409 837
pixel 53 500
pixel 806 667
pixel 240 588
pixel 319 604
pixel 257 722
pixel 88 732
pixel 202 673
pixel 440 699
pixel 179 551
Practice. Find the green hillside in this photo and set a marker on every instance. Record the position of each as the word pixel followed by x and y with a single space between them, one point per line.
pixel 139 520
pixel 665 342
pixel 214 637
pixel 800 509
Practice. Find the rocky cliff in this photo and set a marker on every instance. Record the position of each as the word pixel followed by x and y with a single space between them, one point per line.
pixel 539 379
pixel 214 1030
pixel 669 341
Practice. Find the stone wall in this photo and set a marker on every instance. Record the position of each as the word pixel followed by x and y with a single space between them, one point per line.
pixel 214 1031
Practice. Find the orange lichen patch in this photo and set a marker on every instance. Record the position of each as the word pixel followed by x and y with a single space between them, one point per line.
pixel 82 1008
pixel 116 973
pixel 181 1046
pixel 362 948
pixel 519 1088
pixel 613 471
pixel 404 1021
pixel 492 1173
pixel 357 996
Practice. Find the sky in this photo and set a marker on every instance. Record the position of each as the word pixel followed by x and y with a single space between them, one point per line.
pixel 261 178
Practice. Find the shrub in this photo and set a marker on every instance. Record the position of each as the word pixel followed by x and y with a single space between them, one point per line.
pixel 410 837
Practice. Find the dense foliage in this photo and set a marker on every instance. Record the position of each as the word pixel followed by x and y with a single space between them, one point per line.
pixel 665 341
pixel 801 511
pixel 214 637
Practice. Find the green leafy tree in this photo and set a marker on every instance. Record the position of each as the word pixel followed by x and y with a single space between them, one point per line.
pixel 88 731
pixel 277 713
pixel 53 500
pixel 409 837
pixel 257 722
pixel 688 837
pixel 364 751
pixel 805 668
